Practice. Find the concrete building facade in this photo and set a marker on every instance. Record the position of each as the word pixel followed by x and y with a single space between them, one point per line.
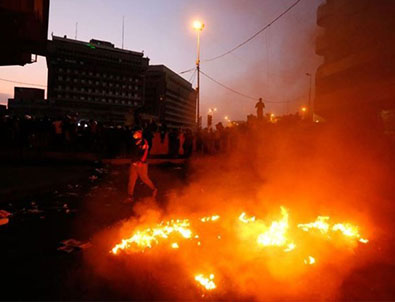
pixel 356 80
pixel 95 79
pixel 170 97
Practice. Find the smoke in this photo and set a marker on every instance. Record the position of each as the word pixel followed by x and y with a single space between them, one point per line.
pixel 310 170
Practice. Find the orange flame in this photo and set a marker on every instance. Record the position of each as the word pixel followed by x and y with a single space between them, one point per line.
pixel 207 283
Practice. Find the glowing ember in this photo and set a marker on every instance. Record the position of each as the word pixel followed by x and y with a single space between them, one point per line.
pixel 309 260
pixel 290 247
pixel 175 245
pixel 148 237
pixel 276 234
pixel 209 218
pixel 207 283
pixel 246 219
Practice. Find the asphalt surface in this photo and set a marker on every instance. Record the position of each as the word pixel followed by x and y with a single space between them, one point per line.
pixel 37 263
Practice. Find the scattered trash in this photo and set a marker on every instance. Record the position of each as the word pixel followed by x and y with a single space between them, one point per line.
pixel 4 217
pixel 71 245
pixel 34 211
pixel 99 170
pixel 4 221
pixel 72 194
pixel 4 214
pixel 93 178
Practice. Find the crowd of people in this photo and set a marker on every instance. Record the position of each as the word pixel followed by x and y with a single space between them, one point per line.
pixel 66 134
pixel 69 134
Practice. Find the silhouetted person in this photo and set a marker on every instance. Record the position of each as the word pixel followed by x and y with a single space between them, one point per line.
pixel 259 109
pixel 139 165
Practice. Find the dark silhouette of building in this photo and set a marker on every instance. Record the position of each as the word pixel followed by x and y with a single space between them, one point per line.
pixel 170 97
pixel 356 80
pixel 95 79
pixel 23 30
pixel 29 101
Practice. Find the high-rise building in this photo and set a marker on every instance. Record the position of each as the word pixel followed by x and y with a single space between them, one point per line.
pixel 170 97
pixel 356 79
pixel 95 79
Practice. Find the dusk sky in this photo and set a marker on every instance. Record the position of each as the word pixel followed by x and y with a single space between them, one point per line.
pixel 271 66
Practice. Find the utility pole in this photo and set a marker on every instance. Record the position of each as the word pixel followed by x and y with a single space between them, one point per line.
pixel 123 29
pixel 198 26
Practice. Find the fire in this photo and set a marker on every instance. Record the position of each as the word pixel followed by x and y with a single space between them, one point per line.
pixel 276 234
pixel 290 247
pixel 320 224
pixel 146 238
pixel 246 219
pixel 310 260
pixel 247 232
pixel 175 245
pixel 209 218
pixel 207 283
pixel 349 230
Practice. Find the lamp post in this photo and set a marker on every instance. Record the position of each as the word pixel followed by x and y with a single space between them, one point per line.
pixel 198 26
pixel 311 111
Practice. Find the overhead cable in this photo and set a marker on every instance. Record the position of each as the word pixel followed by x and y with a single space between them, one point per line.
pixel 238 92
pixel 256 34
pixel 188 70
pixel 23 83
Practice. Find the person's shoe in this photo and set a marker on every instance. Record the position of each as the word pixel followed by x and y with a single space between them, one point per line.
pixel 154 193
pixel 128 200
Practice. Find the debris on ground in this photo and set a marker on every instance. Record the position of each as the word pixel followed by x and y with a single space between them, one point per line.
pixel 71 245
pixel 4 217
pixel 93 178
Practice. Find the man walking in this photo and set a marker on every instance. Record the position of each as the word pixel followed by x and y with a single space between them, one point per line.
pixel 139 166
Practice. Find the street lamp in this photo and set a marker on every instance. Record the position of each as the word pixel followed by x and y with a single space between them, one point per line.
pixel 310 104
pixel 198 26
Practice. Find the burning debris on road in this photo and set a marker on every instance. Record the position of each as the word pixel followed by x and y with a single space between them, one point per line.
pixel 208 243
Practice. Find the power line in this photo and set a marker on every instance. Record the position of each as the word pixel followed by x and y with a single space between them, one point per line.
pixel 188 70
pixel 23 83
pixel 226 87
pixel 240 93
pixel 256 34
pixel 192 78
